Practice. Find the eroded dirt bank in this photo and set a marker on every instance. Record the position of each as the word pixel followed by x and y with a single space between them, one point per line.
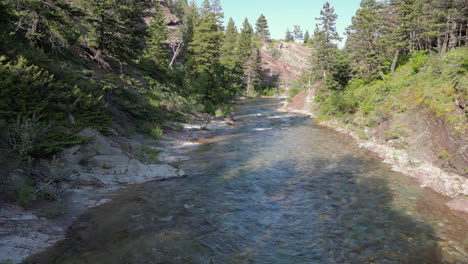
pixel 421 151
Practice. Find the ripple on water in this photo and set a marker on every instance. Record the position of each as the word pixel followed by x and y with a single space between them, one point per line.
pixel 301 195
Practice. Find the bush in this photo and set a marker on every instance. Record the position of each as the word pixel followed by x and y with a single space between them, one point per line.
pixel 223 111
pixel 27 89
pixel 419 59
pixel 25 133
pixel 209 107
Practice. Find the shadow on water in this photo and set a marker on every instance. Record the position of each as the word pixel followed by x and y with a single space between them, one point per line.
pixel 256 198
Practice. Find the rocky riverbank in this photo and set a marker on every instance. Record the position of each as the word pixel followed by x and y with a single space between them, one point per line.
pixel 94 172
pixel 419 167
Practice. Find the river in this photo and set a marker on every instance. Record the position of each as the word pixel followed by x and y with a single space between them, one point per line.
pixel 276 188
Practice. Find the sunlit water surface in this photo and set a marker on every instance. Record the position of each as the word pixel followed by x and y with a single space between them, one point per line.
pixel 276 188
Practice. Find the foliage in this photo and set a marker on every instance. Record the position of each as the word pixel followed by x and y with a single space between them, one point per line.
pixel 25 133
pixel 297 33
pixel 156 50
pixel 262 31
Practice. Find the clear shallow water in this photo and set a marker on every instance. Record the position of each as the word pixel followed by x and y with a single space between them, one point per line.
pixel 276 189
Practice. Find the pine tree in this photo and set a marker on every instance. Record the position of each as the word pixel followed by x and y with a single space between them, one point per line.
pixel 204 59
pixel 364 44
pixel 245 41
pixel 262 31
pixel 217 9
pixel 111 26
pixel 230 60
pixel 297 33
pixel 306 37
pixel 328 23
pixel 205 47
pixel 229 52
pixel 206 8
pixel 288 36
pixel 253 71
pixel 46 23
pixel 328 62
pixel 157 33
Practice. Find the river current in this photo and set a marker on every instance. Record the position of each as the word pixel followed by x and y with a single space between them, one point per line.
pixel 276 188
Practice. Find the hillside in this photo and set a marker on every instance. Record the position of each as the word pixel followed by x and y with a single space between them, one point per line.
pixel 285 61
pixel 414 119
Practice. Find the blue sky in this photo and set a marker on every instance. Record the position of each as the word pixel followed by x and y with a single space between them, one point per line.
pixel 283 14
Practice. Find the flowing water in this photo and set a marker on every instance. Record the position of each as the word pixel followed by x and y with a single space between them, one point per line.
pixel 276 188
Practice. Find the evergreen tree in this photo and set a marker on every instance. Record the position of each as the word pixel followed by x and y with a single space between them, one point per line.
pixel 206 8
pixel 253 71
pixel 46 23
pixel 217 9
pixel 157 33
pixel 328 62
pixel 297 33
pixel 189 20
pixel 205 54
pixel 306 37
pixel 245 41
pixel 111 26
pixel 328 23
pixel 288 36
pixel 262 32
pixel 229 51
pixel 364 44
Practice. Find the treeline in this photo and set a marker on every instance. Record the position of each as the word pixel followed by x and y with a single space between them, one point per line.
pixel 383 36
pixel 73 63
pixel 220 62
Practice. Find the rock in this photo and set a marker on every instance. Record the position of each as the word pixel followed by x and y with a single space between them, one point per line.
pixel 459 204
pixel 70 155
pixel 108 162
pixel 99 143
pixel 131 172
pixel 168 157
pixel 140 172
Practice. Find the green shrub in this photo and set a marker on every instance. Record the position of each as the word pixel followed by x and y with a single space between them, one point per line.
pixel 24 134
pixel 209 107
pixel 55 140
pixel 419 59
pixel 444 155
pixel 156 133
pixel 24 195
pixel 223 111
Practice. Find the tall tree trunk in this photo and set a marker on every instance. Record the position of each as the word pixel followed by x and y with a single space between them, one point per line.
pixel 395 60
pixel 453 39
pixel 443 50
pixel 460 35
pixel 248 82
pixel 176 50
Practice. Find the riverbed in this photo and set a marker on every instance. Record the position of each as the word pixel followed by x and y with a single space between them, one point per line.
pixel 275 188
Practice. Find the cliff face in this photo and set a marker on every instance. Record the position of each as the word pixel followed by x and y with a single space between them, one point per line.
pixel 284 61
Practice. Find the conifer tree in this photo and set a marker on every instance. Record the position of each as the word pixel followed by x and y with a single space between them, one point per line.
pixel 254 71
pixel 262 31
pixel 288 36
pixel 245 41
pixel 204 59
pixel 297 33
pixel 206 8
pixel 229 58
pixel 217 9
pixel 328 23
pixel 46 23
pixel 157 33
pixel 306 37
pixel 325 33
pixel 364 44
